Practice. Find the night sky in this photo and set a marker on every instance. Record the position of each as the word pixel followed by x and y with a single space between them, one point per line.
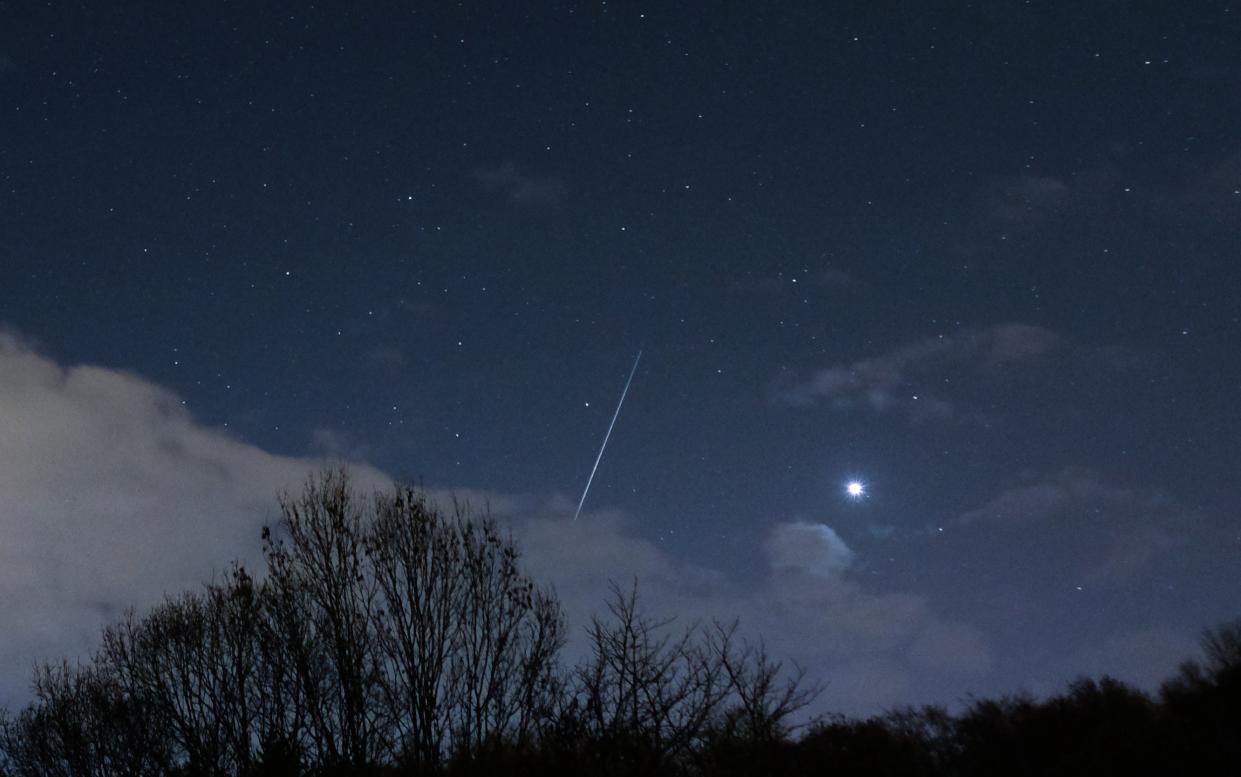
pixel 981 258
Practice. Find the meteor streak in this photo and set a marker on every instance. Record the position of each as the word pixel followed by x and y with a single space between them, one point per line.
pixel 598 458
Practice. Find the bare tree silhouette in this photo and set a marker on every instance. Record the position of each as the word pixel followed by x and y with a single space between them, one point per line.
pixel 389 635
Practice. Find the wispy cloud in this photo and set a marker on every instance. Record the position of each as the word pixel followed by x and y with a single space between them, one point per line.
pixel 906 379
pixel 390 356
pixel 1028 200
pixel 1213 193
pixel 521 188
pixel 338 444
pixel 1116 529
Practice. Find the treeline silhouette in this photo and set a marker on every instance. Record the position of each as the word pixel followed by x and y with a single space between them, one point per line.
pixel 388 636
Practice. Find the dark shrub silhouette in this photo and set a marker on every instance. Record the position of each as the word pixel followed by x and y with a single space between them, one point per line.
pixel 1202 703
pixel 386 636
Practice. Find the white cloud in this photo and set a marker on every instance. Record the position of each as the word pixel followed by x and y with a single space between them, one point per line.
pixel 873 649
pixel 110 496
pixel 813 548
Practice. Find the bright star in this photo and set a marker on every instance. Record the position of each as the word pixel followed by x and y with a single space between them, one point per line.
pixel 856 489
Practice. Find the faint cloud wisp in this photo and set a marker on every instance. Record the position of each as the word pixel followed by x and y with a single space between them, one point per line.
pixel 521 189
pixel 899 379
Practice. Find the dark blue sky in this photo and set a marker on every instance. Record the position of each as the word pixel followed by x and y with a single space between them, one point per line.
pixel 981 256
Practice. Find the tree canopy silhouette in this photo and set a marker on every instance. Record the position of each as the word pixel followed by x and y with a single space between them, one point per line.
pixel 385 634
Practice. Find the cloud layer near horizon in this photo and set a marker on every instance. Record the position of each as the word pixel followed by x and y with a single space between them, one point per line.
pixel 112 495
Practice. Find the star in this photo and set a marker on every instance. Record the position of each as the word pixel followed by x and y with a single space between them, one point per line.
pixel 855 489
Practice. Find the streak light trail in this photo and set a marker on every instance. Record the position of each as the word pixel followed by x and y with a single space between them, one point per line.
pixel 598 458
